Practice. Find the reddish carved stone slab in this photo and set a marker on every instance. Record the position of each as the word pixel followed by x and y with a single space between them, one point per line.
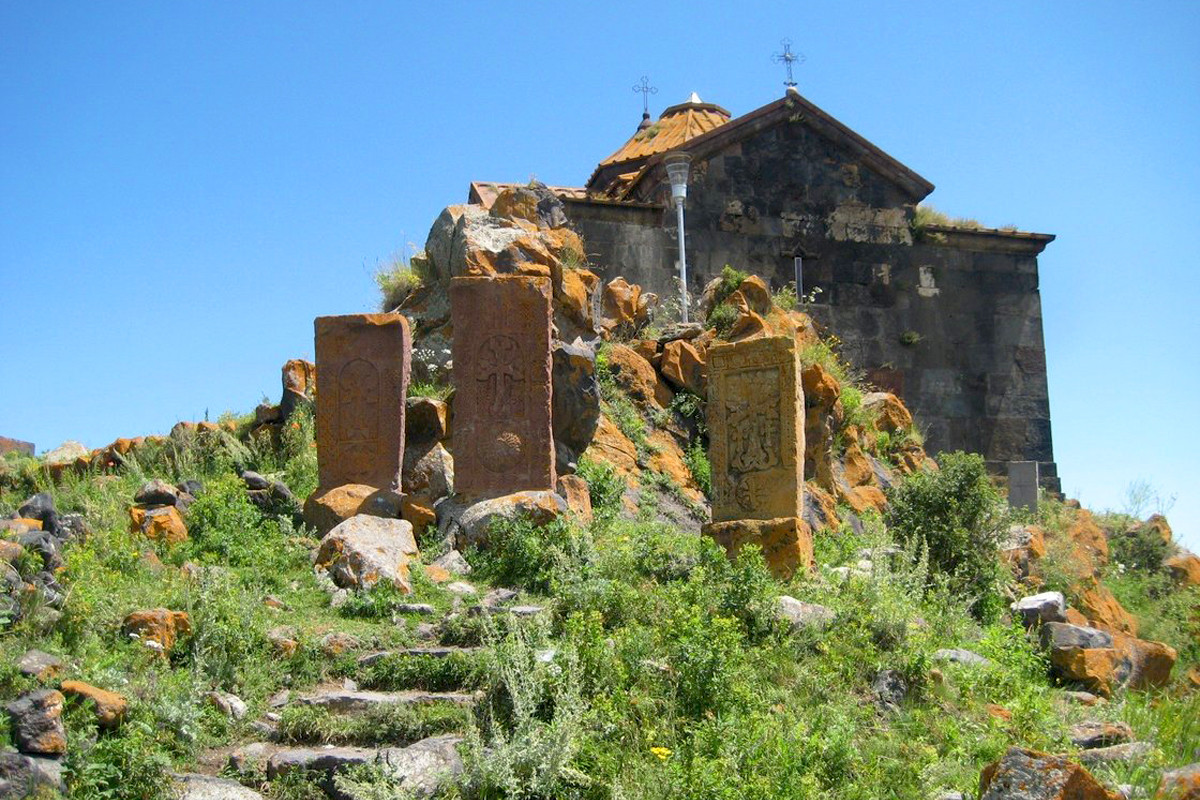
pixel 503 439
pixel 362 380
pixel 756 429
pixel 15 445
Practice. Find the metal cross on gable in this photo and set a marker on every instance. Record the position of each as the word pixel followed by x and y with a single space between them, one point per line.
pixel 646 89
pixel 787 58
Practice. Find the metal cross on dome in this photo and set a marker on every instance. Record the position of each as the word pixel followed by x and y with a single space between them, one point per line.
pixel 646 89
pixel 787 58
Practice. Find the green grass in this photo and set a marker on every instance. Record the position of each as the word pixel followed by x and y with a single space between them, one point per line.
pixel 657 669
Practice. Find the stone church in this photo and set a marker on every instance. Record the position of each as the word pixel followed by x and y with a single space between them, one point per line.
pixel 947 317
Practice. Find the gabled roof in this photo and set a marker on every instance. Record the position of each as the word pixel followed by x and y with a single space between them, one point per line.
pixel 792 107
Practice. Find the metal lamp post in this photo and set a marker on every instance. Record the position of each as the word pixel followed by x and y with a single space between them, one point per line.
pixel 678 166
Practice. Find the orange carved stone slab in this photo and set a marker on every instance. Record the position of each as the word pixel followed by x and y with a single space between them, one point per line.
pixel 362 374
pixel 756 429
pixel 503 435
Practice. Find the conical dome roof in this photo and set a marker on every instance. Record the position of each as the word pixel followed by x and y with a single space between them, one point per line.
pixel 674 126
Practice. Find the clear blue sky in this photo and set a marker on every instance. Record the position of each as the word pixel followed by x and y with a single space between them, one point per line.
pixel 184 186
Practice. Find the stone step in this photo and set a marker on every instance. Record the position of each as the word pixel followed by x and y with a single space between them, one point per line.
pixel 341 701
pixel 417 652
pixel 421 768
pixel 193 786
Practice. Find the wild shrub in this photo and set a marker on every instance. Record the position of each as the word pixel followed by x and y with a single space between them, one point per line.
pixel 455 671
pixel 394 725
pixel 225 528
pixel 721 318
pixel 705 657
pixel 955 515
pixel 785 297
pixel 534 557
pixel 530 727
pixel 605 488
pixel 396 281
pixel 696 458
pixel 731 279
pixel 1138 547
pixel 128 765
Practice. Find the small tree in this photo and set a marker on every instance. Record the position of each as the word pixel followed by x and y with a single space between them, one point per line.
pixel 956 516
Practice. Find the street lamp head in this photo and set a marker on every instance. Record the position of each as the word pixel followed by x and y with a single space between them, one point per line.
pixel 678 165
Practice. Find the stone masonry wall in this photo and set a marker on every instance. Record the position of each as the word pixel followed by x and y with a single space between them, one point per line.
pixel 952 323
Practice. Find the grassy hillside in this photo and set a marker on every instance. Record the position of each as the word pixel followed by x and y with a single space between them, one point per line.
pixel 654 667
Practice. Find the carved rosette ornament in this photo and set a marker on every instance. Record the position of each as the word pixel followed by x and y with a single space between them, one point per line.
pixel 360 410
pixel 502 400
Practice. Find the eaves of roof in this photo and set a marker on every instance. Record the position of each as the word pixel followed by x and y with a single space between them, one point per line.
pixel 792 107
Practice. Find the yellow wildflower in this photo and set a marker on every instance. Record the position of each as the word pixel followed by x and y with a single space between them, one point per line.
pixel 663 753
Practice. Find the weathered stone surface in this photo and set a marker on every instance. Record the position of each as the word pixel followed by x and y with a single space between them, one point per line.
pixel 1023 485
pixel 363 363
pixel 364 550
pixel 1093 733
pixel 157 493
pixel 206 787
pixel 110 707
pixel 428 473
pixel 1083 655
pixel 299 379
pixel 453 562
pixel 343 701
pixel 890 413
pixel 1029 775
pixel 420 768
pixel 1127 752
pixel 756 430
pixel 786 542
pixel 637 378
pixel 36 723
pixel 39 665
pixel 1180 784
pixel 158 524
pixel 683 367
pixel 471 524
pixel 574 490
pixel 576 402
pixel 1184 568
pixel 426 420
pixel 1089 538
pixel 228 704
pixel 800 615
pixel 957 655
pixel 502 371
pixel 1039 608
pixel 8 445
pixel 424 766
pixel 1143 664
pixel 22 775
pixel 159 626
pixel 1101 607
pixel 625 305
pixel 1062 635
pixel 324 510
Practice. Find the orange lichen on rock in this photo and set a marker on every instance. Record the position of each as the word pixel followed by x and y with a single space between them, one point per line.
pixel 159 625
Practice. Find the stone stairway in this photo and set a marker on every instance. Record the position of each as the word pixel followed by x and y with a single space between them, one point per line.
pixel 420 766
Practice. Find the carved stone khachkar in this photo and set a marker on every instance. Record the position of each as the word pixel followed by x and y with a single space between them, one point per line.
pixel 756 434
pixel 503 433
pixel 362 380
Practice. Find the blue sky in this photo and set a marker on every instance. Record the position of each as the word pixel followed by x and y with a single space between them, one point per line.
pixel 184 186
